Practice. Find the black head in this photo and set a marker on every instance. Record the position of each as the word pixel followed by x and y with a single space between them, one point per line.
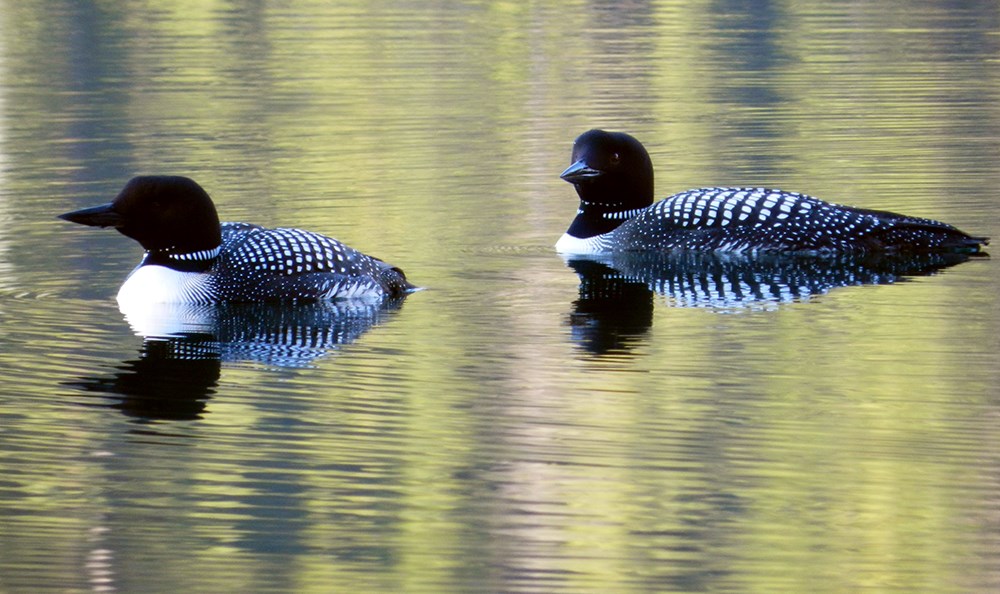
pixel 611 169
pixel 164 213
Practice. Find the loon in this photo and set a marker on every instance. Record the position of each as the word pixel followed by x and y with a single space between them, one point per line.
pixel 193 258
pixel 613 175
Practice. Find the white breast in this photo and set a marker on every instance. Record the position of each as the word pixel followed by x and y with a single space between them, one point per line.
pixel 568 244
pixel 159 284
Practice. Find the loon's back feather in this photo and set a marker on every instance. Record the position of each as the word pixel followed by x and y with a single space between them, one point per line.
pixel 769 220
pixel 257 263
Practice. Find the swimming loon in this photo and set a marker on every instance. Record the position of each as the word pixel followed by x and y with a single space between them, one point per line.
pixel 192 258
pixel 613 175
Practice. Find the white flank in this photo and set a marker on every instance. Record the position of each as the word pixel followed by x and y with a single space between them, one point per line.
pixel 568 244
pixel 159 284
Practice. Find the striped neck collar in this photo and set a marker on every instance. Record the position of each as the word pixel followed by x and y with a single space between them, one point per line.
pixel 199 261
pixel 616 211
pixel 622 214
pixel 598 218
pixel 199 256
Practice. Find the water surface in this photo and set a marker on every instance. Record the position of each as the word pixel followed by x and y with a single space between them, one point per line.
pixel 525 424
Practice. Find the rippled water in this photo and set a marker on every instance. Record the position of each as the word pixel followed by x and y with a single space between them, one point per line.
pixel 525 424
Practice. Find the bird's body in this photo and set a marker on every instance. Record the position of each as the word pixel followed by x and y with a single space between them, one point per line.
pixel 613 176
pixel 193 258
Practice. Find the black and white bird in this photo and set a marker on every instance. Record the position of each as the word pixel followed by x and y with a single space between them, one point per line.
pixel 613 175
pixel 193 258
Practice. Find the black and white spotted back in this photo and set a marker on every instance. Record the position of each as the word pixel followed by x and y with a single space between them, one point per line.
pixel 766 220
pixel 257 263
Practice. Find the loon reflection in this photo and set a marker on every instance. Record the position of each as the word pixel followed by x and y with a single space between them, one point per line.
pixel 185 346
pixel 615 307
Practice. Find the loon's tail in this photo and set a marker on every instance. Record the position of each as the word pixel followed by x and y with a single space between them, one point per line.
pixel 393 280
pixel 898 233
pixel 907 234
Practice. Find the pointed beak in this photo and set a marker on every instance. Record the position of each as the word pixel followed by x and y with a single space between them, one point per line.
pixel 96 216
pixel 578 172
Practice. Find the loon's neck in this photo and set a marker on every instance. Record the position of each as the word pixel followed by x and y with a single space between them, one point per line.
pixel 598 218
pixel 197 261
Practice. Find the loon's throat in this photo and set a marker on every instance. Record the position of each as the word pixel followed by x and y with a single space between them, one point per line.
pixel 598 218
pixel 198 261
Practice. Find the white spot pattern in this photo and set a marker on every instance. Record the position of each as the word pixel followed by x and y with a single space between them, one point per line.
pixel 256 264
pixel 759 220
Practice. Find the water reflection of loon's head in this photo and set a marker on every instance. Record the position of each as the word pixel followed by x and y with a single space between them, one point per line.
pixel 612 311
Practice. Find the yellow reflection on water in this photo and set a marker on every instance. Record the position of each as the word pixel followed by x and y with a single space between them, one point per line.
pixel 468 442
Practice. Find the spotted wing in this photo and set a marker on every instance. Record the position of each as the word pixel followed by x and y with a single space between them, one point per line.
pixel 761 219
pixel 280 264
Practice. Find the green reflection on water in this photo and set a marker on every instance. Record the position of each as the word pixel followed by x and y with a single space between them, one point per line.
pixel 838 445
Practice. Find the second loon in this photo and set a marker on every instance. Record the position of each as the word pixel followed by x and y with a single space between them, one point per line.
pixel 613 175
pixel 193 258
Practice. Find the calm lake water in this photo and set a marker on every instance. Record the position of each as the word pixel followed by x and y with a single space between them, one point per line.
pixel 525 424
